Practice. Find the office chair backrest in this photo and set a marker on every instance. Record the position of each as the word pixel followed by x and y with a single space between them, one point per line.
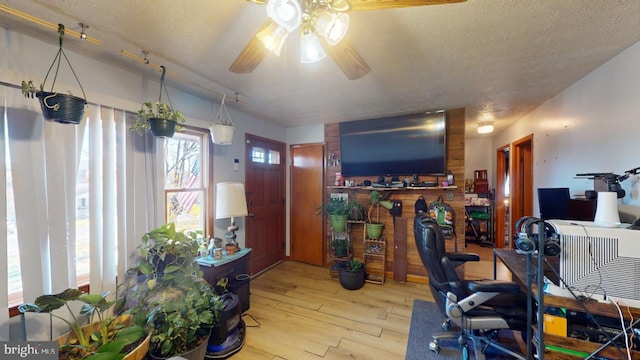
pixel 430 242
pixel 553 203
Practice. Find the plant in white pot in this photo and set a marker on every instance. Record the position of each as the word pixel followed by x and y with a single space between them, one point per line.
pixel 222 128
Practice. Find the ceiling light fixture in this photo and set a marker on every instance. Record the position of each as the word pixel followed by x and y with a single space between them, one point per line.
pixel 83 35
pixel 314 18
pixel 485 127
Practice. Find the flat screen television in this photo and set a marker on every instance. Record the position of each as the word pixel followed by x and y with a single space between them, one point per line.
pixel 400 145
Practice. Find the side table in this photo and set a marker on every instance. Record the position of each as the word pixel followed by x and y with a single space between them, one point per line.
pixel 234 267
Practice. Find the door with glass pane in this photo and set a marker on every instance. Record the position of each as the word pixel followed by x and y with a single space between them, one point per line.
pixel 265 184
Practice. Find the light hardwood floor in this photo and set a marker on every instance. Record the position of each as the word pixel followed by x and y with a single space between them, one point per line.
pixel 304 314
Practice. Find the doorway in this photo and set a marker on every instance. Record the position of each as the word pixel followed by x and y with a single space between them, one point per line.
pixel 521 179
pixel 265 184
pixel 502 198
pixel 306 229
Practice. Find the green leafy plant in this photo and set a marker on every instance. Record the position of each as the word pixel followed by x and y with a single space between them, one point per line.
pixel 337 206
pixel 105 339
pixel 157 110
pixel 355 264
pixel 340 243
pixel 167 285
pixel 376 200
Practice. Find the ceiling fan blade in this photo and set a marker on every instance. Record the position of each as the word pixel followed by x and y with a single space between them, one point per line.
pixel 251 55
pixel 348 60
pixel 361 5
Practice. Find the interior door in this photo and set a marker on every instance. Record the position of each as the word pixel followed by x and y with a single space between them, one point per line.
pixel 264 182
pixel 521 179
pixel 307 163
pixel 502 197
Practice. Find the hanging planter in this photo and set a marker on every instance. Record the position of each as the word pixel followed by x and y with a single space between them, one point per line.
pixel 58 107
pixel 222 128
pixel 159 117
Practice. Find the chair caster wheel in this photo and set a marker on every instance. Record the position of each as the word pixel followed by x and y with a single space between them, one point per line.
pixel 434 346
pixel 465 352
pixel 446 325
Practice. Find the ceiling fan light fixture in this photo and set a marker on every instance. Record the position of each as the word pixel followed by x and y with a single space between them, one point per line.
pixel 332 26
pixel 287 13
pixel 273 37
pixel 340 5
pixel 311 50
pixel 485 127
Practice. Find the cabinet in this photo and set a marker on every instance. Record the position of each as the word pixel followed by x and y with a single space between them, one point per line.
pixel 479 224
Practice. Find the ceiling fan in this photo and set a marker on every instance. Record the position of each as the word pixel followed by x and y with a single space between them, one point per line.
pixel 323 25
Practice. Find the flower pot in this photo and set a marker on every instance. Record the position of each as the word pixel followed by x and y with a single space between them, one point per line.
pixel 374 230
pixel 162 128
pixel 341 252
pixel 61 108
pixel 339 222
pixel 137 353
pixel 196 353
pixel 221 134
pixel 350 279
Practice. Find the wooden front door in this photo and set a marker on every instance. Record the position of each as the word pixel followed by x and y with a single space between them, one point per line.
pixel 307 162
pixel 265 184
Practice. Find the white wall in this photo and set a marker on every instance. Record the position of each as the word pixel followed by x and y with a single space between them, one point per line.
pixel 479 154
pixel 24 58
pixel 592 126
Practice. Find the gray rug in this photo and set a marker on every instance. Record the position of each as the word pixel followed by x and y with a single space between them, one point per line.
pixel 426 320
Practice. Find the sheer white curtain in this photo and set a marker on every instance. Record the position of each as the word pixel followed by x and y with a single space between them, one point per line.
pixel 125 185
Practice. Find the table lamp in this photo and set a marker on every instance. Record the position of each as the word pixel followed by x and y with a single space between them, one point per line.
pixel 231 202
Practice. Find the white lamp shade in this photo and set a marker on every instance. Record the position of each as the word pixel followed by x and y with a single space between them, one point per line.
pixel 607 210
pixel 310 48
pixel 273 37
pixel 333 27
pixel 287 13
pixel 230 200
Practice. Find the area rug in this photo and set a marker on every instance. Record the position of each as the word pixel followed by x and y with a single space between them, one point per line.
pixel 426 320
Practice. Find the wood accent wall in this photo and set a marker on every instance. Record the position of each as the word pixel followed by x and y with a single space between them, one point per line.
pixel 455 162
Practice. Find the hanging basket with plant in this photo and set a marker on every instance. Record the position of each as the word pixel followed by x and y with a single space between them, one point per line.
pixel 222 128
pixel 58 107
pixel 159 117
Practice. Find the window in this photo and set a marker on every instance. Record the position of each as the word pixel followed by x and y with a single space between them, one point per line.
pixel 185 180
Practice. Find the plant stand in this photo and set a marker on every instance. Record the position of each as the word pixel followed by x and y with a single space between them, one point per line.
pixel 374 255
pixel 333 259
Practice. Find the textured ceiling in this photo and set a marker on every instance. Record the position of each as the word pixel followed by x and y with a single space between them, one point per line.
pixel 504 57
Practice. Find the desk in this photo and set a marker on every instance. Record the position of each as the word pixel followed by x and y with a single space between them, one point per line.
pixel 516 263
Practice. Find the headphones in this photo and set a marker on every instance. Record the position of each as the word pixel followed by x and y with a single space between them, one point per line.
pixel 527 242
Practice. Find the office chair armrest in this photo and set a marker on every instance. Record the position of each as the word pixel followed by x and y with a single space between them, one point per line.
pixel 462 257
pixel 499 286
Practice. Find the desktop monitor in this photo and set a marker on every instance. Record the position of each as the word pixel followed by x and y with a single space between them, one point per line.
pixel 553 203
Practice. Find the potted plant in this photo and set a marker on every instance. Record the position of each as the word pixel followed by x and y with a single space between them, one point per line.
pixel 352 274
pixel 58 107
pixel 167 286
pixel 105 337
pixel 222 128
pixel 357 212
pixel 341 246
pixel 160 117
pixel 374 228
pixel 338 209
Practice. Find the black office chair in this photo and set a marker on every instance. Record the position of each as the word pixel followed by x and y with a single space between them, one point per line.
pixel 479 307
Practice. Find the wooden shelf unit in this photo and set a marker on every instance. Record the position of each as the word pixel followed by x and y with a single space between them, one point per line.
pixel 374 255
pixel 331 254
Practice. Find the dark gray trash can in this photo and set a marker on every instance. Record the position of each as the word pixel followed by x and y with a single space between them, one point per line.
pixel 240 285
